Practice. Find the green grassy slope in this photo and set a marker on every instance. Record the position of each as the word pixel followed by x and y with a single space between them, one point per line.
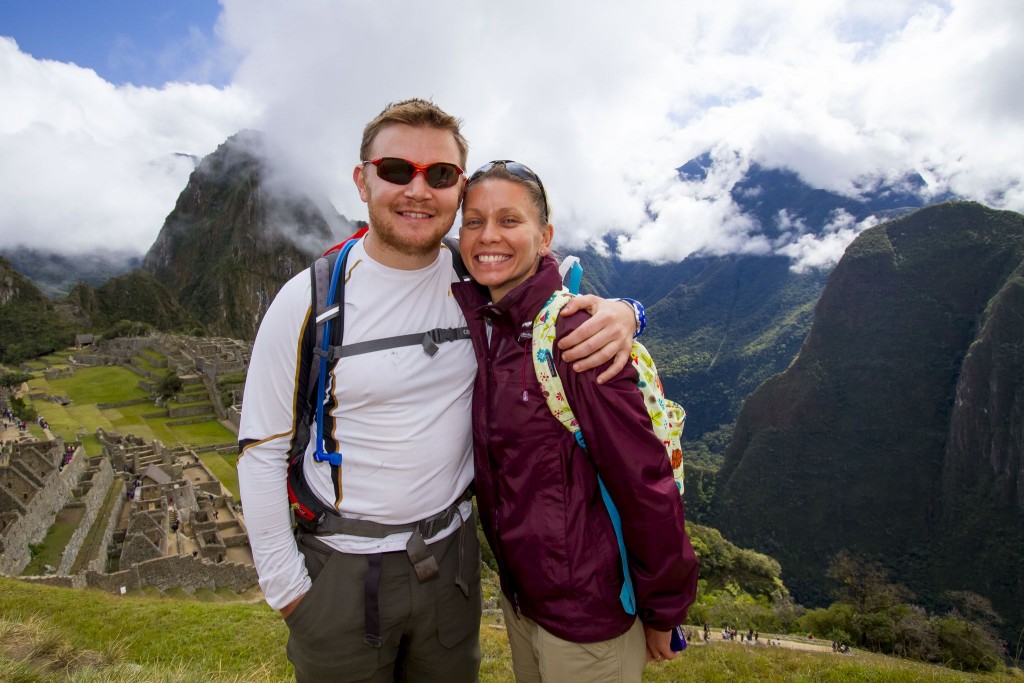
pixel 55 634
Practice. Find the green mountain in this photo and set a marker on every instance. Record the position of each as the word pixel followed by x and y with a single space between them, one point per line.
pixel 896 433
pixel 30 324
pixel 720 326
pixel 134 296
pixel 236 234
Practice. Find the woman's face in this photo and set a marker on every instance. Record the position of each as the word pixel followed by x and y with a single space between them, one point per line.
pixel 501 238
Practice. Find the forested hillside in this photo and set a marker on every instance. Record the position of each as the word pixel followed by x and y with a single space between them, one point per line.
pixel 897 431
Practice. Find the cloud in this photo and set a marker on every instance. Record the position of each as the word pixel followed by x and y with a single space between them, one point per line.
pixel 809 251
pixel 89 165
pixel 604 99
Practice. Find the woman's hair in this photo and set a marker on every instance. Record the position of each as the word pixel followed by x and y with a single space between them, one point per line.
pixel 536 192
pixel 417 113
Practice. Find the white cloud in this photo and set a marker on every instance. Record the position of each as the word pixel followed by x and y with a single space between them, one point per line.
pixel 88 165
pixel 604 99
pixel 809 251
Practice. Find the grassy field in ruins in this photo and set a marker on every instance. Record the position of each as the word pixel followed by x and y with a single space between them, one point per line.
pixel 89 387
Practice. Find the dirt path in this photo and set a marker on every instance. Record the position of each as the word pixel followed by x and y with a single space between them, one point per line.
pixel 767 640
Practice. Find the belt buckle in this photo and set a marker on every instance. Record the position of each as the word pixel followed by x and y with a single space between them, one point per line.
pixel 422 559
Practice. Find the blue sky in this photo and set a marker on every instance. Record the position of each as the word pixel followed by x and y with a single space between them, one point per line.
pixel 603 98
pixel 143 42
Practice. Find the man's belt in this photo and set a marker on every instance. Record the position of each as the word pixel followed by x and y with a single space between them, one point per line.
pixel 427 528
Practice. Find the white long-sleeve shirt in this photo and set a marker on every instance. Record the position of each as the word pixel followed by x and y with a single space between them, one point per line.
pixel 402 419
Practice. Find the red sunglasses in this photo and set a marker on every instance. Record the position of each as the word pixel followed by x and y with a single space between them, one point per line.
pixel 439 174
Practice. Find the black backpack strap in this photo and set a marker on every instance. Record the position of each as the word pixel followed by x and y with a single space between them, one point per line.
pixel 457 262
pixel 428 340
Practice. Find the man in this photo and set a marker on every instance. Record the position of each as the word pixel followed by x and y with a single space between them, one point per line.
pixel 379 600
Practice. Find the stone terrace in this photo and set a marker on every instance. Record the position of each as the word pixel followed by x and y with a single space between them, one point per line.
pixel 143 505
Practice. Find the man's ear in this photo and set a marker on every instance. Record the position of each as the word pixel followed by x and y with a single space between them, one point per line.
pixel 359 178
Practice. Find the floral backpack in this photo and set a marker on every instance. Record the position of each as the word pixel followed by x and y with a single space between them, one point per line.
pixel 667 417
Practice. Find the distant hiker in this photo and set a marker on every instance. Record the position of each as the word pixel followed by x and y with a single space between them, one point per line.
pixel 561 582
pixel 404 546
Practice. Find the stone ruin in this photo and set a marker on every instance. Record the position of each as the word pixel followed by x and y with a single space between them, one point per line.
pixel 35 484
pixel 171 523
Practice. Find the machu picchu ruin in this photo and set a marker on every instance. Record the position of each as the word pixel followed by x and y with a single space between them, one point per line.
pixel 139 513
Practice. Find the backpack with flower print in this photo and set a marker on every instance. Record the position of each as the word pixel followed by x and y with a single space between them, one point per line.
pixel 667 417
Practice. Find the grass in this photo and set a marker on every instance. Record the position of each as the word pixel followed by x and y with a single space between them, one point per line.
pixel 101 384
pixel 51 549
pixel 223 467
pixel 91 544
pixel 110 384
pixel 56 634
pixel 91 444
pixel 156 638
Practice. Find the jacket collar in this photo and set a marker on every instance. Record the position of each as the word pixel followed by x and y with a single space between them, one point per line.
pixel 517 309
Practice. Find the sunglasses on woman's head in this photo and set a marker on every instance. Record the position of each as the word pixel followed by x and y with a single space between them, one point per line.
pixel 439 174
pixel 517 169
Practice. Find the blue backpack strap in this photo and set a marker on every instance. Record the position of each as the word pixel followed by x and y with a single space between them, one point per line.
pixel 331 313
pixel 627 596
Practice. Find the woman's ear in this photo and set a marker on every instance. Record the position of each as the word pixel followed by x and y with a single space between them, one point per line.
pixel 546 235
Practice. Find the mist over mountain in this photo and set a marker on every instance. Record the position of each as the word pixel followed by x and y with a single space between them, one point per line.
pixel 236 234
pixel 781 202
pixel 55 274
pixel 722 325
pixel 896 433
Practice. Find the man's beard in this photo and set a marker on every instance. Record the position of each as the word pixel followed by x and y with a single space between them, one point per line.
pixel 418 243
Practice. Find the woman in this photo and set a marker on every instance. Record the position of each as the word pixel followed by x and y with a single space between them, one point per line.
pixel 537 489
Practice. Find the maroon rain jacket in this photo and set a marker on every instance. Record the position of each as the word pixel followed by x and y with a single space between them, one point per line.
pixel 536 488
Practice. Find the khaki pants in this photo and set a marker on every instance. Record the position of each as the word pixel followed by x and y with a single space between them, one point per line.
pixel 540 657
pixel 430 632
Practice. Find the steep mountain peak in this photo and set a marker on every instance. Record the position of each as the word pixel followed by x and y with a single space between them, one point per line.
pixel 238 231
pixel 243 153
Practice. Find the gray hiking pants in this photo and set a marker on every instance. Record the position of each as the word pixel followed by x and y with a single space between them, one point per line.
pixel 428 631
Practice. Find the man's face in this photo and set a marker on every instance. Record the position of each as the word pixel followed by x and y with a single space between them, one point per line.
pixel 407 222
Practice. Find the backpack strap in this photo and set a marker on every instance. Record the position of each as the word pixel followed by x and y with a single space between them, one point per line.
pixel 558 404
pixel 324 352
pixel 307 508
pixel 429 340
pixel 457 262
pixel 322 346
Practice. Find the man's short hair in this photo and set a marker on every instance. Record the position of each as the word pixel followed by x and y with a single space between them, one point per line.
pixel 414 112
